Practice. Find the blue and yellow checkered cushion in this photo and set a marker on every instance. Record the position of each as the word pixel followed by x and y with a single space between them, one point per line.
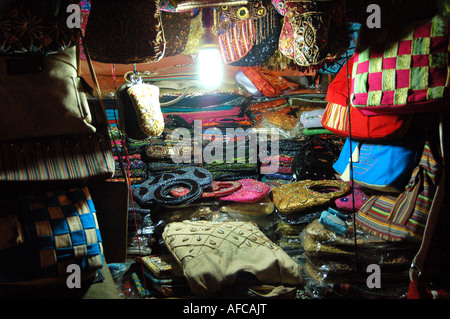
pixel 60 228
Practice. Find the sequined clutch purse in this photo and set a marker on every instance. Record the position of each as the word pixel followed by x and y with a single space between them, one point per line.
pixel 301 195
pixel 140 114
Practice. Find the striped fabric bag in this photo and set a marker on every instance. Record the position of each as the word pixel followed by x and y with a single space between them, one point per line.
pixel 60 158
pixel 236 42
pixel 403 217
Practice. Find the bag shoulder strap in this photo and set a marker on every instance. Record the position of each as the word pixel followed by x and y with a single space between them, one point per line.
pixel 100 98
pixel 418 262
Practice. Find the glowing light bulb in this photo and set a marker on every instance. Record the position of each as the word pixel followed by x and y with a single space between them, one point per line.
pixel 210 66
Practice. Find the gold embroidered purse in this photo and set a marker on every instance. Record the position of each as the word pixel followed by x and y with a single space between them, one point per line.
pixel 298 196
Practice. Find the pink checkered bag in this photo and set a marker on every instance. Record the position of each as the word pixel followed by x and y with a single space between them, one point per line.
pixel 402 69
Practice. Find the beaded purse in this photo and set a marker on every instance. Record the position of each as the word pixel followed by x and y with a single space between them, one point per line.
pixel 298 196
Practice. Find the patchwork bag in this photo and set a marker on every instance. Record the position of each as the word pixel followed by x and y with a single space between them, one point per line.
pixel 213 254
pixel 58 228
pixel 384 166
pixel 403 217
pixel 298 196
pixel 403 69
pixel 338 115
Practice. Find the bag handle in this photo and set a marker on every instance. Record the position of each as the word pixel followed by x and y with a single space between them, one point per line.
pixel 100 98
pixel 418 262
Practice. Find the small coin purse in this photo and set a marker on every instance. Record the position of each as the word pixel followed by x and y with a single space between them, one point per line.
pixel 298 196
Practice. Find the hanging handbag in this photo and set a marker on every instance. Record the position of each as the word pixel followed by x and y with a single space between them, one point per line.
pixel 339 115
pixel 183 5
pixel 140 114
pixel 279 5
pixel 402 69
pixel 315 31
pixel 58 228
pixel 125 32
pixel 60 158
pixel 42 96
pixel 176 31
pixel 71 157
pixel 237 41
pixel 403 217
pixel 419 287
pixel 37 27
pixel 382 166
pixel 266 28
pixel 298 196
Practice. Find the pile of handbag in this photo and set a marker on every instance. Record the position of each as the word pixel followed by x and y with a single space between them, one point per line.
pixel 54 144
pixel 389 107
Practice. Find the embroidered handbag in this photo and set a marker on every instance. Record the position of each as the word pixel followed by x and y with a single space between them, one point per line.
pixel 279 5
pixel 403 217
pixel 176 31
pixel 58 228
pixel 266 25
pixel 251 191
pixel 403 69
pixel 355 200
pixel 39 27
pixel 183 5
pixel 315 159
pixel 384 166
pixel 42 96
pixel 338 114
pixel 140 114
pixel 298 196
pixel 316 31
pixel 125 32
pixel 157 188
pixel 213 254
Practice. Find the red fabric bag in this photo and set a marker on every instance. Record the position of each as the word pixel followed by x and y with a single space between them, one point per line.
pixel 336 115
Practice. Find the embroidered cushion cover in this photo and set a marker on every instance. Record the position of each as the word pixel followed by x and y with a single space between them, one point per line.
pixel 402 69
